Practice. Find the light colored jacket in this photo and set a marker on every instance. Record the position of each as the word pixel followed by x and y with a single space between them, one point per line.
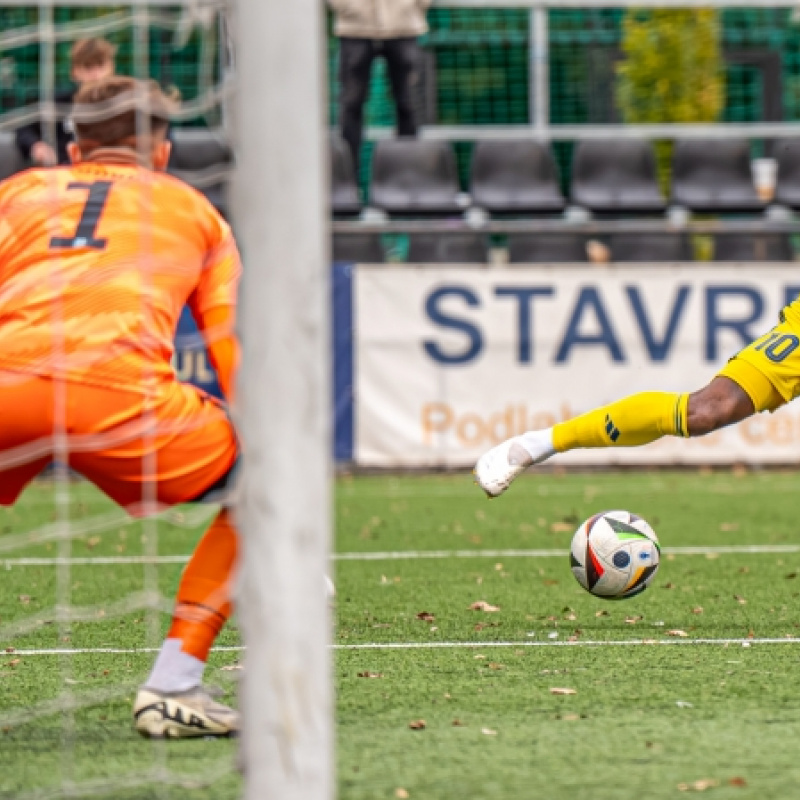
pixel 380 19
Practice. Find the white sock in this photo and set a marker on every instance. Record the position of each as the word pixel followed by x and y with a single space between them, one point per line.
pixel 539 444
pixel 174 670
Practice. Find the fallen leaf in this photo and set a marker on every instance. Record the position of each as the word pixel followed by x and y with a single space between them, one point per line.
pixel 697 610
pixel 10 649
pixel 570 717
pixel 369 674
pixel 602 613
pixel 401 793
pixel 495 665
pixel 676 632
pixel 550 582
pixel 698 786
pixel 790 576
pixel 556 690
pixel 14 662
pixel 633 620
pixel 479 656
pixel 93 541
pixel 571 617
pixel 24 599
pixel 457 723
pixel 739 599
pixel 729 526
pixel 560 527
pixel 417 725
pixel 668 586
pixel 482 605
pixel 426 616
pixel 488 732
pixel 737 782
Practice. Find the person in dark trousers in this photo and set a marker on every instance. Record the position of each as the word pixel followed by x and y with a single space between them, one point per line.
pixel 90 60
pixel 368 29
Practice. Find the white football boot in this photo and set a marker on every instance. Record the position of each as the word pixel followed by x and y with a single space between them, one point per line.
pixel 182 715
pixel 497 468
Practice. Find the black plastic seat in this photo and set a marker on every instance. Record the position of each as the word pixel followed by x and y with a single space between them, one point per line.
pixel 644 247
pixel 414 177
pixel 547 248
pixel 787 184
pixel 715 176
pixel 514 178
pixel 11 160
pixel 616 176
pixel 447 248
pixel 345 199
pixel 358 248
pixel 204 159
pixel 753 247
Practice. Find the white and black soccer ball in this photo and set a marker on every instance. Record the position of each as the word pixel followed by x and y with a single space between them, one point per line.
pixel 615 555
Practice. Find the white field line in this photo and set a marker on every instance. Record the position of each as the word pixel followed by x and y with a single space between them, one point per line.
pixel 405 555
pixel 425 646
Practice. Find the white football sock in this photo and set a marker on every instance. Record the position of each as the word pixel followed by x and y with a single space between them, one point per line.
pixel 539 444
pixel 174 670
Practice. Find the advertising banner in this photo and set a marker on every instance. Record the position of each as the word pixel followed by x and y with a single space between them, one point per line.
pixel 451 360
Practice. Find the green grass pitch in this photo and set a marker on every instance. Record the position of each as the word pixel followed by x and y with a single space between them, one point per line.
pixel 643 720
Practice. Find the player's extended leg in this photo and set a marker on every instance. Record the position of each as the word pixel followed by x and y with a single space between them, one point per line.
pixel 732 396
pixel 172 703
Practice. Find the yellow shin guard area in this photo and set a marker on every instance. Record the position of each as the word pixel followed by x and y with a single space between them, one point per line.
pixel 636 420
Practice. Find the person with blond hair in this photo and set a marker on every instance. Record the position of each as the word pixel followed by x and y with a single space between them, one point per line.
pixel 90 60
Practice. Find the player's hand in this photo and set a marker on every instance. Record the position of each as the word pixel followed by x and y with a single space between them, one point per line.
pixel 42 153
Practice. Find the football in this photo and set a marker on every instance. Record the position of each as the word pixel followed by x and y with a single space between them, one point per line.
pixel 615 555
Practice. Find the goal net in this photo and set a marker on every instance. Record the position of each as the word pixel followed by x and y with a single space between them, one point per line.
pixel 87 591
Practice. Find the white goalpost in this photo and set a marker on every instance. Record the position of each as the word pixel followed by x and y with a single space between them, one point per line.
pixel 280 213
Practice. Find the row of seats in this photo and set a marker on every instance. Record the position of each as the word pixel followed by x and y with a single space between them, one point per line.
pixel 420 177
pixel 473 248
pixel 201 157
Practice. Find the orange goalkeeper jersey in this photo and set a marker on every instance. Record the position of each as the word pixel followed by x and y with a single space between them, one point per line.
pixel 96 262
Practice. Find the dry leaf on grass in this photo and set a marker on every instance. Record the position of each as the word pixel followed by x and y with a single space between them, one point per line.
pixel 571 717
pixel 488 732
pixel 457 723
pixel 24 599
pixel 602 613
pixel 556 690
pixel 729 526
pixel 401 793
pixel 14 662
pixel 633 620
pixel 426 616
pixel 482 605
pixel 698 786
pixel 739 599
pixel 417 725
pixel 737 782
pixel 370 674
pixel 676 632
pixel 495 665
pixel 560 527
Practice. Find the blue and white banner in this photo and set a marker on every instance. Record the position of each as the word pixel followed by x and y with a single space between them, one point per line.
pixel 449 361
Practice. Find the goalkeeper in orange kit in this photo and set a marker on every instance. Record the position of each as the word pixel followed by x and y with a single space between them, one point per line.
pixel 97 261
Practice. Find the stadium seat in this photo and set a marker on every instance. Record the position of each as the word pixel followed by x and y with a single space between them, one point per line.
pixel 644 247
pixel 787 188
pixel 414 177
pixel 448 248
pixel 203 159
pixel 616 176
pixel 553 248
pixel 11 161
pixel 358 248
pixel 753 247
pixel 514 178
pixel 712 175
pixel 345 199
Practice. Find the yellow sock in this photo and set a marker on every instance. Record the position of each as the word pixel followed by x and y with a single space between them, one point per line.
pixel 636 420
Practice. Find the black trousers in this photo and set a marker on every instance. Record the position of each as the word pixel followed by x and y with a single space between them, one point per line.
pixel 355 66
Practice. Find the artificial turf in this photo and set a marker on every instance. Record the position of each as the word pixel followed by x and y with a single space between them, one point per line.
pixel 645 721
